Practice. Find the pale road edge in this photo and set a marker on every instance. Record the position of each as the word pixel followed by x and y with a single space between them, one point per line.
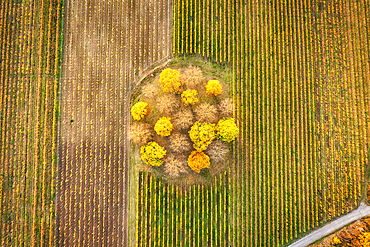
pixel 145 73
pixel 362 211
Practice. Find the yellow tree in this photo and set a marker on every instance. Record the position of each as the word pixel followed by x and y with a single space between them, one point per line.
pixel 170 81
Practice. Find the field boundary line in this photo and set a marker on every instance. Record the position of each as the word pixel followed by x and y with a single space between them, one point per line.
pixel 161 63
pixel 362 211
pixel 136 82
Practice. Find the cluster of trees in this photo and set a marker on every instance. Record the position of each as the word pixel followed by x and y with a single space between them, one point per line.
pixel 183 121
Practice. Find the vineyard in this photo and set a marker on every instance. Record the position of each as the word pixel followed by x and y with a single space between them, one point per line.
pixel 107 46
pixel 301 84
pixel 70 69
pixel 30 41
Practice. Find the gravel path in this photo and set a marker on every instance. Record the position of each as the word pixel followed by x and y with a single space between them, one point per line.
pixel 362 211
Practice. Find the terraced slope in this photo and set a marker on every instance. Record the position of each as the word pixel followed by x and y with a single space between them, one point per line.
pixel 301 89
pixel 30 51
pixel 107 45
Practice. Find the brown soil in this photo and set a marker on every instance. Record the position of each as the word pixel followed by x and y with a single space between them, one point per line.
pixel 107 45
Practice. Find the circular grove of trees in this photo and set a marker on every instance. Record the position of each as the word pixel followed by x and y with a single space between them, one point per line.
pixel 183 122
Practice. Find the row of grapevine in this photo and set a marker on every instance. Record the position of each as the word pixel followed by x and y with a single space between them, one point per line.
pixel 30 35
pixel 301 91
pixel 203 27
pixel 178 216
pixel 107 46
pixel 342 93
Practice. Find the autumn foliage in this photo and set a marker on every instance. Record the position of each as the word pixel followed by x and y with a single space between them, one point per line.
pixel 152 154
pixel 163 126
pixel 170 80
pixel 213 87
pixel 356 234
pixel 180 131
pixel 139 110
pixel 226 129
pixel 189 97
pixel 202 135
pixel 198 160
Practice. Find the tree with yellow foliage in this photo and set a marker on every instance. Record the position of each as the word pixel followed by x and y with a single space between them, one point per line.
pixel 226 129
pixel 202 135
pixel 170 81
pixel 189 97
pixel 336 240
pixel 140 110
pixel 198 160
pixel 152 154
pixel 363 240
pixel 163 126
pixel 213 87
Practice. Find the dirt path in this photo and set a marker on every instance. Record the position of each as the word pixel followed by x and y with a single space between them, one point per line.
pixel 359 213
pixel 132 180
pixel 107 46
